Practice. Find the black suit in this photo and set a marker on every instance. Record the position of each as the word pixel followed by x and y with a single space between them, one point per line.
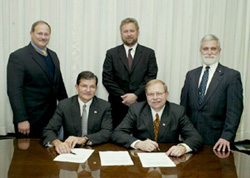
pixel 219 114
pixel 32 93
pixel 68 115
pixel 119 80
pixel 139 123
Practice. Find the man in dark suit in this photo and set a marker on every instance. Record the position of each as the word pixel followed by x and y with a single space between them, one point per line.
pixel 34 83
pixel 85 118
pixel 126 69
pixel 212 96
pixel 139 128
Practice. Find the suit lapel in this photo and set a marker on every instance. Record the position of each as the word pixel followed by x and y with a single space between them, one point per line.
pixel 93 111
pixel 56 64
pixel 148 121
pixel 123 56
pixel 37 58
pixel 216 80
pixel 195 85
pixel 165 120
pixel 137 57
pixel 76 115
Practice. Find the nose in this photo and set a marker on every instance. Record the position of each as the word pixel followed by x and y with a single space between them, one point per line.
pixel 209 51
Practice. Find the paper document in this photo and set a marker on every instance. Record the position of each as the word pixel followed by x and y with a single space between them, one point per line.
pixel 155 160
pixel 80 155
pixel 115 158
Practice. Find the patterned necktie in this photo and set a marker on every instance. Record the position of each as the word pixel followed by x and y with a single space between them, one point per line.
pixel 203 85
pixel 84 120
pixel 44 52
pixel 130 59
pixel 156 126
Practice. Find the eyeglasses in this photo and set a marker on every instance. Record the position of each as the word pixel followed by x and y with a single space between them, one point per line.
pixel 85 87
pixel 157 94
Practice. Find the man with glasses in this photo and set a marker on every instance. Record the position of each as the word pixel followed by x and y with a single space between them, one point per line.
pixel 157 121
pixel 86 119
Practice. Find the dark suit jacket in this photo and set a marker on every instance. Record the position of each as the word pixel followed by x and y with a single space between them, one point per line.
pixel 219 114
pixel 68 115
pixel 33 95
pixel 117 78
pixel 139 123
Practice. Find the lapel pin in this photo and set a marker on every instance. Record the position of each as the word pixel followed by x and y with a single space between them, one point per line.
pixel 164 124
pixel 95 112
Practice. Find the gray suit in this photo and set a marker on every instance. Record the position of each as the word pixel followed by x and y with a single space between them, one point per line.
pixel 68 115
pixel 219 114
pixel 139 123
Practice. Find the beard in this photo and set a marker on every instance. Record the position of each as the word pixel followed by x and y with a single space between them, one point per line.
pixel 132 43
pixel 210 59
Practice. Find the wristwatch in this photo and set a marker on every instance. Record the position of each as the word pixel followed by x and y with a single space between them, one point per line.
pixel 87 139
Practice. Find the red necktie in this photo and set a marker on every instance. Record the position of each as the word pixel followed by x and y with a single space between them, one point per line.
pixel 130 59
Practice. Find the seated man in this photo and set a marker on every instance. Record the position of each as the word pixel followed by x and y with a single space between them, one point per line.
pixel 85 118
pixel 157 120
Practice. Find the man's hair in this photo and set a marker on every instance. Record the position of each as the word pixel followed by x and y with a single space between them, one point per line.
pixel 210 37
pixel 129 20
pixel 155 81
pixel 39 22
pixel 87 75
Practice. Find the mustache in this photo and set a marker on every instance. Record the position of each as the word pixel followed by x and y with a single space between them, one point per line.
pixel 155 100
pixel 209 56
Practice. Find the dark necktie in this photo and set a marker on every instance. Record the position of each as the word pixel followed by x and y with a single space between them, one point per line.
pixel 84 120
pixel 156 126
pixel 130 59
pixel 203 85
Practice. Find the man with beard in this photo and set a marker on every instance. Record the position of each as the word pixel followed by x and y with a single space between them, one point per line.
pixel 212 96
pixel 126 69
pixel 157 121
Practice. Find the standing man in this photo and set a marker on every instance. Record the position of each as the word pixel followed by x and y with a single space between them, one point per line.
pixel 34 83
pixel 126 69
pixel 85 118
pixel 212 96
pixel 157 121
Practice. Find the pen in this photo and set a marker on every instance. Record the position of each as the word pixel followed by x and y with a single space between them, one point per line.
pixel 73 153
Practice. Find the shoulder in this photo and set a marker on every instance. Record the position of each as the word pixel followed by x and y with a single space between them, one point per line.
pixel 175 107
pixel 68 101
pixel 21 51
pixel 115 49
pixel 141 47
pixel 101 102
pixel 139 106
pixel 227 70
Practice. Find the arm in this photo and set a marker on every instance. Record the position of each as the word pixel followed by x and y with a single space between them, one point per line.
pixel 188 132
pixel 50 132
pixel 233 113
pixel 151 74
pixel 108 77
pixel 122 134
pixel 104 134
pixel 15 87
pixel 184 92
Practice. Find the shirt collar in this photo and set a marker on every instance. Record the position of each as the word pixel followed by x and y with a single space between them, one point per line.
pixel 37 48
pixel 159 112
pixel 212 66
pixel 81 103
pixel 127 47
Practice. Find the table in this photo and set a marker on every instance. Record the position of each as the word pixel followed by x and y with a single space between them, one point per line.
pixel 28 158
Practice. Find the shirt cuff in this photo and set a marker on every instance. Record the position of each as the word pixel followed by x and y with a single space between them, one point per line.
pixel 188 149
pixel 133 144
